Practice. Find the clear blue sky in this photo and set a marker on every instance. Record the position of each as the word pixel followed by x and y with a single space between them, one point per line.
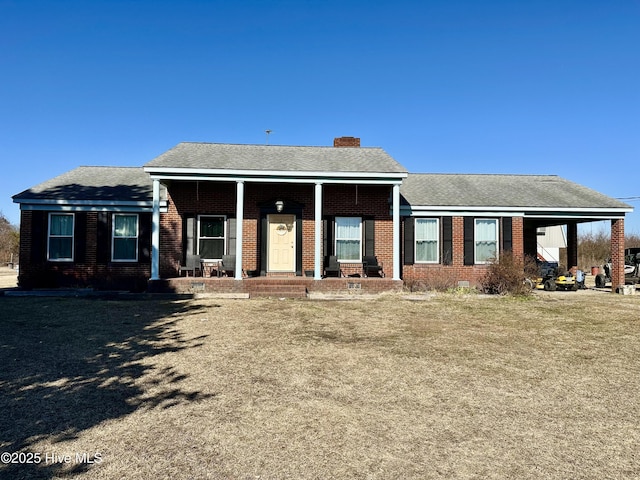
pixel 541 87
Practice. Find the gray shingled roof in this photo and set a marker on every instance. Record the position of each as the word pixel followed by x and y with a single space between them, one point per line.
pixel 547 192
pixel 463 190
pixel 277 158
pixel 94 183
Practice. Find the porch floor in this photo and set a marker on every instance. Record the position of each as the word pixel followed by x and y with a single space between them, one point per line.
pixel 287 287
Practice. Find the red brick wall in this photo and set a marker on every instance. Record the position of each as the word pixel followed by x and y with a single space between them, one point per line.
pixel 458 242
pixel 274 287
pixel 617 253
pixel 257 194
pixel 365 201
pixel 40 273
pixel 517 237
pixel 27 273
pixel 439 276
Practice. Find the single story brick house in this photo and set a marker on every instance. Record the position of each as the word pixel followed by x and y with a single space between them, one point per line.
pixel 286 212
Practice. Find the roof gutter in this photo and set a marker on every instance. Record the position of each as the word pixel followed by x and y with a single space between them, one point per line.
pixel 88 205
pixel 270 175
pixel 528 212
pixel 543 210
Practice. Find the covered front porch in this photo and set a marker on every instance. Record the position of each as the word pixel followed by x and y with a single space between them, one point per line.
pixel 278 205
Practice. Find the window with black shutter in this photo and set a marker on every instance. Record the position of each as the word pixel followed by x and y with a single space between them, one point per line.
pixel 409 241
pixel 507 234
pixel 447 240
pixel 468 240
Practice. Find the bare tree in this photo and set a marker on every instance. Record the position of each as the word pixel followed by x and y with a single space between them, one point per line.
pixel 9 241
pixel 595 248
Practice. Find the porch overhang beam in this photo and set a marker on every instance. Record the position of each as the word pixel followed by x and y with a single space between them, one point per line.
pixel 247 174
pixel 363 180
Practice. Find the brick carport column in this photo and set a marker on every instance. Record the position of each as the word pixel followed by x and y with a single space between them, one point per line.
pixel 617 253
pixel 572 245
pixel 517 237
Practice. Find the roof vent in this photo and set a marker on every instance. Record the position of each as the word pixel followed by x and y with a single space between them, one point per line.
pixel 346 142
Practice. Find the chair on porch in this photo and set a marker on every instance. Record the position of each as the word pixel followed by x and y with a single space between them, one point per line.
pixel 332 266
pixel 371 267
pixel 192 264
pixel 227 266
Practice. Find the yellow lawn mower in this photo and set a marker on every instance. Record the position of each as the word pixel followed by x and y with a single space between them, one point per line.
pixel 549 280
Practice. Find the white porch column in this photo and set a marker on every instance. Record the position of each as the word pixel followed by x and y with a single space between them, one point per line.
pixel 239 221
pixel 155 232
pixel 317 266
pixel 396 232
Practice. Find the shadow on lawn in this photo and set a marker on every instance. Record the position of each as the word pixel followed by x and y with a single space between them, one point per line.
pixel 67 364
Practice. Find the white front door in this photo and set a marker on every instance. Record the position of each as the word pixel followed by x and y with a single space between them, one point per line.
pixel 282 242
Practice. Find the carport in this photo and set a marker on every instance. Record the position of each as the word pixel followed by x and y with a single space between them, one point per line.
pixel 517 205
pixel 571 219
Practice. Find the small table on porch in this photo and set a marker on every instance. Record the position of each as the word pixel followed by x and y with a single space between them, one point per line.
pixel 351 269
pixel 208 268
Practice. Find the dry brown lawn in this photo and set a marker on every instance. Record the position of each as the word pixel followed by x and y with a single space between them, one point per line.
pixel 453 386
pixel 8 278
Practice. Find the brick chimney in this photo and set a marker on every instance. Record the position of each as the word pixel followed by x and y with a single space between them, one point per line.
pixel 346 142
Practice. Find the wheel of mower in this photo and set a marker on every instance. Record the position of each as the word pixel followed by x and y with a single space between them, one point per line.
pixel 601 280
pixel 549 286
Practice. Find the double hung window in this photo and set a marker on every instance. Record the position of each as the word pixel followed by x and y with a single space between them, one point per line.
pixel 349 239
pixel 125 238
pixel 60 242
pixel 486 239
pixel 211 237
pixel 427 235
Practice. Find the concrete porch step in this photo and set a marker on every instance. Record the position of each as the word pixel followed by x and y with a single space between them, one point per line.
pixel 278 290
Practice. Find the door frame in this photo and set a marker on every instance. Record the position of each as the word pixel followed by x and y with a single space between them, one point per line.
pixel 295 232
pixel 290 208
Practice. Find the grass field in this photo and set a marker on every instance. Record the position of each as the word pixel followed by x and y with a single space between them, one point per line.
pixel 454 386
pixel 8 278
